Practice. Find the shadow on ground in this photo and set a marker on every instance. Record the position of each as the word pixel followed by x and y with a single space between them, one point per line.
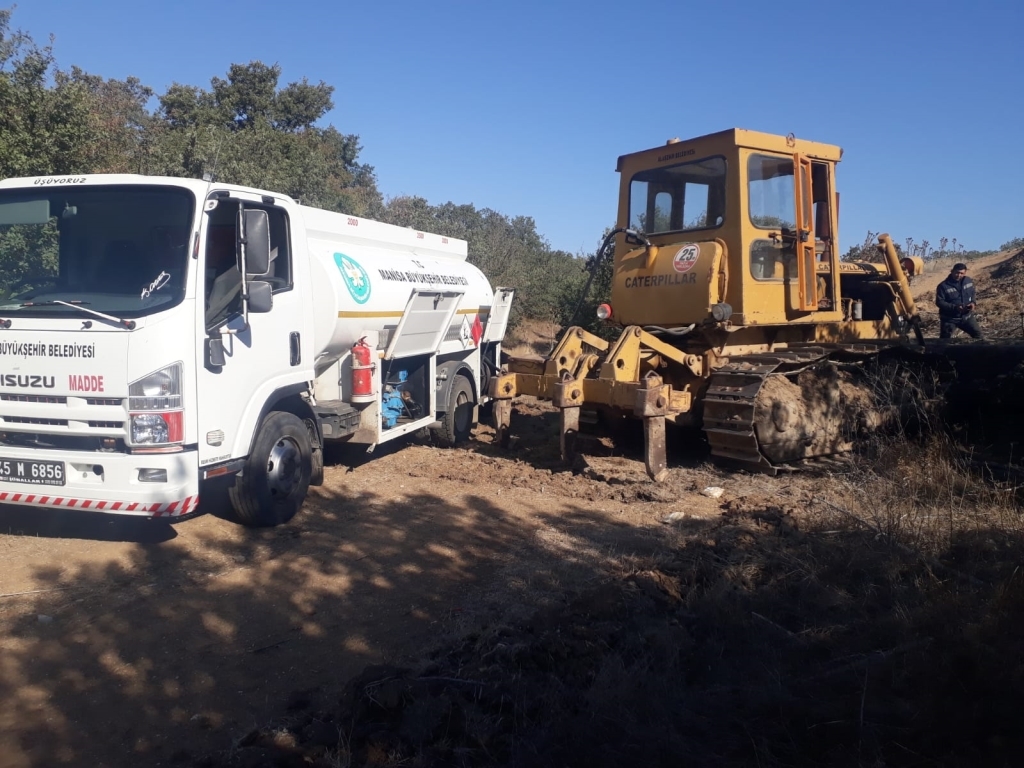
pixel 140 660
pixel 75 524
pixel 755 642
pixel 389 627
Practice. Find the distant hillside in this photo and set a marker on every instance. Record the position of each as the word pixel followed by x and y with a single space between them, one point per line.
pixel 999 279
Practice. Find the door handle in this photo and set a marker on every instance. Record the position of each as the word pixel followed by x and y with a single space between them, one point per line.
pixel 296 348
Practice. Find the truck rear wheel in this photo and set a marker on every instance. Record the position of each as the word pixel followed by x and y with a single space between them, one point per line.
pixel 276 475
pixel 457 421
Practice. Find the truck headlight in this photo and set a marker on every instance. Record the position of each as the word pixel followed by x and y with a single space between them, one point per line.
pixel 155 409
pixel 157 391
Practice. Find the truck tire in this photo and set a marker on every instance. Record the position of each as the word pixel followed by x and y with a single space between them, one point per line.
pixel 316 475
pixel 457 421
pixel 276 475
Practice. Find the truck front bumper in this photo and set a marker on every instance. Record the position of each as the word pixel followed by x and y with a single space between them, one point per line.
pixel 147 485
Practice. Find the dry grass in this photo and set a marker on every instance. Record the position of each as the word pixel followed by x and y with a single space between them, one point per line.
pixel 872 617
pixel 925 496
pixel 532 337
pixel 878 621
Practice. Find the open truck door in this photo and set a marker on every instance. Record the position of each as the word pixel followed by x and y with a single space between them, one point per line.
pixel 497 320
pixel 410 361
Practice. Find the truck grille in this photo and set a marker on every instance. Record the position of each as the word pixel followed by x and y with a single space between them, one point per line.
pixel 65 423
pixel 36 399
pixel 63 442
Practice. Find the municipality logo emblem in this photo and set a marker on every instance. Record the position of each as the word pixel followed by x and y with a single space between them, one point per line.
pixel 355 277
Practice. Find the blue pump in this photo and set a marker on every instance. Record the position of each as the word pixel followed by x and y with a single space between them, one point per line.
pixel 392 405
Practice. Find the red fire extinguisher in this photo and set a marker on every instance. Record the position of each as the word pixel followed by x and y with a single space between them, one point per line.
pixel 362 373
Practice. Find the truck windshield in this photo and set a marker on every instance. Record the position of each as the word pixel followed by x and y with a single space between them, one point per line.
pixel 121 250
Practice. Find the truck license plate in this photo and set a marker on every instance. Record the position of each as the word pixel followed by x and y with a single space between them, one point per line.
pixel 33 472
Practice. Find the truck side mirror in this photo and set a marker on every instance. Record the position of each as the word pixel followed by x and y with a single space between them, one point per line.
pixel 261 297
pixel 255 238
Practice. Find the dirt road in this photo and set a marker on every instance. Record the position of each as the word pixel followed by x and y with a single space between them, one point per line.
pixel 127 640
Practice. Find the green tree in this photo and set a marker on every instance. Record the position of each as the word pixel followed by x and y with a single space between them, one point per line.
pixel 246 130
pixel 508 250
pixel 20 264
pixel 43 129
pixel 578 308
pixel 122 127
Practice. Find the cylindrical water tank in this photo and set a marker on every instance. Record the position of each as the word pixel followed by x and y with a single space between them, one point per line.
pixel 364 272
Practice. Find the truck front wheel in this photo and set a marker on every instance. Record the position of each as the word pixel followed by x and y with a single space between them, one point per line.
pixel 276 476
pixel 457 421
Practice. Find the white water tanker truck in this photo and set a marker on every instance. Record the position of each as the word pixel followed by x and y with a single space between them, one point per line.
pixel 161 335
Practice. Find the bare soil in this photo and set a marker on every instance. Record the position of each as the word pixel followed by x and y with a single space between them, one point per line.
pixel 472 607
pixel 478 607
pixel 126 641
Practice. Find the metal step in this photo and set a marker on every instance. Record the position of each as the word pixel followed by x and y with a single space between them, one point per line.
pixel 337 418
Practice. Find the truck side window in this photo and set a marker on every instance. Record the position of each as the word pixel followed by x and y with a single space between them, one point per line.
pixel 280 274
pixel 223 280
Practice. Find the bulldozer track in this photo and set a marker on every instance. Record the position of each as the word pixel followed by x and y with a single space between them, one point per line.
pixel 730 401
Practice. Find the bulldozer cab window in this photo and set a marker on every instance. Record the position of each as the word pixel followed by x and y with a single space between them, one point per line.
pixel 771 195
pixel 678 198
pixel 770 191
pixel 772 260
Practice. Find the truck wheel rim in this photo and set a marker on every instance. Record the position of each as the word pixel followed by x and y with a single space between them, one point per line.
pixel 283 466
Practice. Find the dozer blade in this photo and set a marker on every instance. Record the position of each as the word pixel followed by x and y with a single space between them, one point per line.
pixel 651 405
pixel 654 448
pixel 570 429
pixel 502 414
pixel 568 398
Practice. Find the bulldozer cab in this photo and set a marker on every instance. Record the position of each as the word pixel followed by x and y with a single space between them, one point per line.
pixel 742 230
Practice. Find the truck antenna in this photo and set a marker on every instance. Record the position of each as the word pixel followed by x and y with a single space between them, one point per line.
pixel 211 175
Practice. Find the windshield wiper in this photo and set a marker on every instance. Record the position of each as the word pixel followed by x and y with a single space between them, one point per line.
pixel 47 303
pixel 129 324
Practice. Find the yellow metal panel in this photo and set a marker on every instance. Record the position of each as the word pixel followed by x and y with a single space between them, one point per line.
pixel 726 142
pixel 786 145
pixel 676 289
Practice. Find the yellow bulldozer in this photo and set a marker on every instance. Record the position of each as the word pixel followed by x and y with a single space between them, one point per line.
pixel 738 315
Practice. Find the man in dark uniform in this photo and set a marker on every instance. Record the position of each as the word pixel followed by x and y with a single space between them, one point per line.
pixel 955 298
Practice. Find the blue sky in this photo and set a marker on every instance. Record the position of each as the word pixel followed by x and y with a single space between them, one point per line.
pixel 524 107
